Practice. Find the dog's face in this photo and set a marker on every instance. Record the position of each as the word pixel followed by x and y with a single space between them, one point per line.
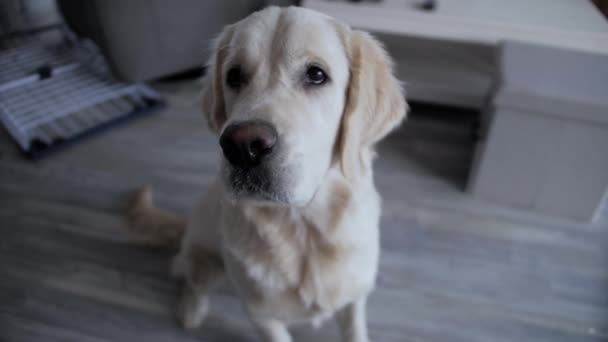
pixel 280 94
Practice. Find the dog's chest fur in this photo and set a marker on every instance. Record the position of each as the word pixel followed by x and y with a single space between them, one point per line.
pixel 310 258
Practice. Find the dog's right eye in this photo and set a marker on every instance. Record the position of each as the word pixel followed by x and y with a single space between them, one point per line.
pixel 315 75
pixel 235 78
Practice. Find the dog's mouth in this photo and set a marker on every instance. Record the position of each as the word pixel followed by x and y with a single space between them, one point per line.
pixel 255 184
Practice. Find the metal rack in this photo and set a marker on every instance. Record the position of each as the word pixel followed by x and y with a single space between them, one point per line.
pixel 55 88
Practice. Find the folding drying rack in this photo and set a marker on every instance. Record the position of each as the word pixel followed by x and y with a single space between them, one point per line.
pixel 55 88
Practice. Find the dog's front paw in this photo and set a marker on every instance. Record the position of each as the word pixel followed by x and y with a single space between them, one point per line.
pixel 192 309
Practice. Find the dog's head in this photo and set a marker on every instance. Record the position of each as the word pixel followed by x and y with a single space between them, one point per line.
pixel 291 93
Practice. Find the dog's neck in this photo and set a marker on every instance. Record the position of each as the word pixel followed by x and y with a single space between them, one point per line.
pixel 319 222
pixel 300 247
pixel 323 213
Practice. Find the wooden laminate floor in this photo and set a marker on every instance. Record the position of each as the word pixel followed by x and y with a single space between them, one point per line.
pixel 453 268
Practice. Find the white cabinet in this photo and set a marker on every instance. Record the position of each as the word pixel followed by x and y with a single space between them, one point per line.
pixel 546 148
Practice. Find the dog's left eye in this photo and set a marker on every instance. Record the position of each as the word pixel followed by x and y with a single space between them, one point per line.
pixel 315 75
pixel 235 78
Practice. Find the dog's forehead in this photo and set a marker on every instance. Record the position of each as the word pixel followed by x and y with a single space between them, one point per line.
pixel 293 31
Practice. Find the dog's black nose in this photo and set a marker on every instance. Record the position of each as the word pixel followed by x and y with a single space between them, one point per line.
pixel 245 144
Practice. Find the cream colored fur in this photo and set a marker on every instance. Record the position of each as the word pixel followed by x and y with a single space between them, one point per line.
pixel 317 256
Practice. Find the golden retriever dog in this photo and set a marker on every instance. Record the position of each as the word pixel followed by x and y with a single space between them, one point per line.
pixel 298 101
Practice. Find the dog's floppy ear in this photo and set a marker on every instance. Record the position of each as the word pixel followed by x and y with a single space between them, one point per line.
pixel 375 103
pixel 212 94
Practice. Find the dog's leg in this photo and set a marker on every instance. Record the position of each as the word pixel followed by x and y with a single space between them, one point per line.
pixel 271 330
pixel 352 322
pixel 193 307
pixel 201 271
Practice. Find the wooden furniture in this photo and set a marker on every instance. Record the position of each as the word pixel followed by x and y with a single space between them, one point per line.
pixel 547 144
pixel 544 93
pixel 563 23
pixel 447 55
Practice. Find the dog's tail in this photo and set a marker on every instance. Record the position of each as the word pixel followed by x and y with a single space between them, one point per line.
pixel 152 226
